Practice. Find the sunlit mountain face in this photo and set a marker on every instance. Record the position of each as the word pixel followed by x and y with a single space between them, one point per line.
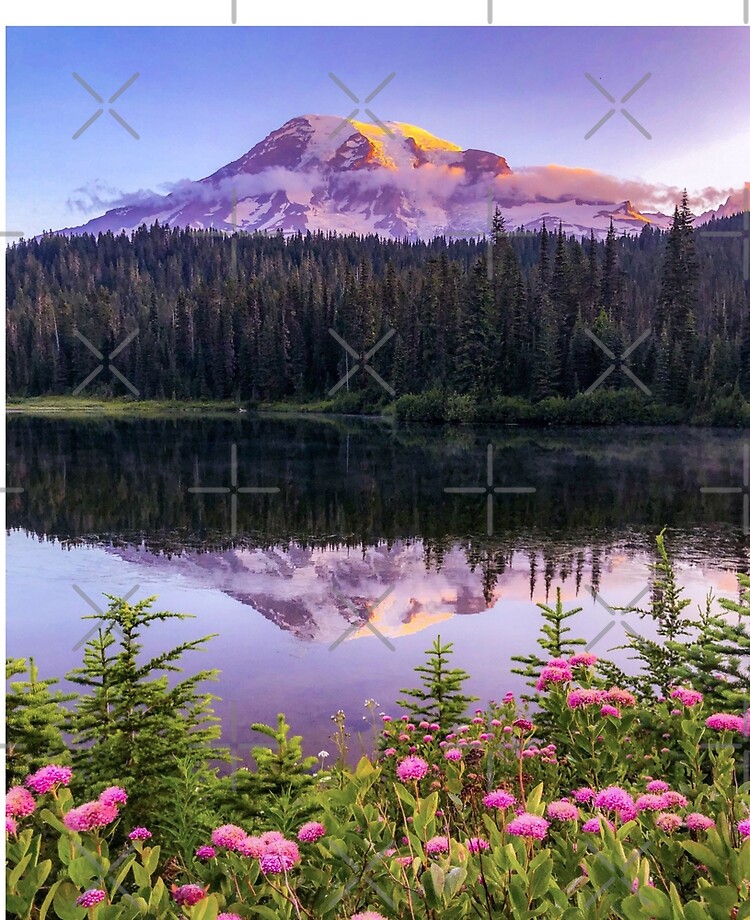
pixel 324 173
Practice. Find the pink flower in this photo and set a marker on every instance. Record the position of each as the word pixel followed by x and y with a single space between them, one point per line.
pixel 205 852
pixel 687 696
pixel 140 833
pixel 368 915
pixel 613 711
pixel 499 799
pixel 562 811
pixel 578 699
pixel 389 752
pixel 437 845
pixel 228 917
pixel 613 798
pixel 585 659
pixel 48 778
pixel 620 697
pixel 723 722
pixel 528 826
pixel 113 795
pixel 475 844
pixel 11 826
pixel 674 799
pixel 744 827
pixel 554 674
pixel 699 822
pixel 657 785
pixel 412 768
pixel 523 725
pixel 19 802
pixel 405 861
pixel 593 825
pixel 91 897
pixel 583 795
pixel 188 894
pixel 251 846
pixel 275 863
pixel 311 832
pixel 228 836
pixel 453 754
pixel 90 816
pixel 668 822
pixel 650 802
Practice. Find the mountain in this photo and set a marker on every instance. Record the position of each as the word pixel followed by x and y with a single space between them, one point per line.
pixel 319 172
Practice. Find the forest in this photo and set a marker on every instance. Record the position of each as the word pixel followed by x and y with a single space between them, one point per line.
pixel 515 316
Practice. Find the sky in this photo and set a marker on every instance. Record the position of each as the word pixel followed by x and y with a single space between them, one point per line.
pixel 204 96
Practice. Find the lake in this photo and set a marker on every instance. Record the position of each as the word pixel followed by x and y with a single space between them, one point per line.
pixel 327 554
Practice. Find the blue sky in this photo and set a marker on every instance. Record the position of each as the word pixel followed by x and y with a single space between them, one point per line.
pixel 206 95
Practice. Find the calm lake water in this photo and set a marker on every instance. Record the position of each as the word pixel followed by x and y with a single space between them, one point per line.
pixel 361 512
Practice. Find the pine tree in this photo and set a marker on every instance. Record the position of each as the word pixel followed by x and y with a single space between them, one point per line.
pixel 132 725
pixel 33 719
pixel 440 698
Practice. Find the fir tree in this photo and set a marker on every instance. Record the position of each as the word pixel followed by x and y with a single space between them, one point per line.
pixel 440 698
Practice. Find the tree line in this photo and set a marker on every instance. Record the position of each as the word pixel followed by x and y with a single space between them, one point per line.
pixel 249 317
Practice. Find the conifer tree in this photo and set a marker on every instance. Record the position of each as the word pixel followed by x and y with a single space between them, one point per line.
pixel 440 698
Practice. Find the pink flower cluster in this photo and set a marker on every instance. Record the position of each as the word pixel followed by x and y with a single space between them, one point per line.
pixel 563 810
pixel 19 802
pixel 531 826
pixel 435 846
pixel 140 833
pixel 556 671
pixel 48 778
pixel 93 815
pixel 724 722
pixel 275 853
pixel 311 831
pixel 412 768
pixel 499 799
pixel 91 897
pixel 686 696
pixel 188 895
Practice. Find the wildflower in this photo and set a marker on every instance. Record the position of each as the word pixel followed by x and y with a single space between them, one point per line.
pixel 140 833
pixel 523 725
pixel 562 811
pixel 90 815
pixel 723 722
pixel 585 659
pixel 594 825
pixel 205 852
pixel 437 845
pixel 91 897
pixel 412 768
pixel 528 826
pixel 650 802
pixel 113 795
pixel 389 752
pixel 499 799
pixel 228 836
pixel 698 822
pixel 252 847
pixel 188 894
pixel 11 826
pixel 275 863
pixel 554 674
pixel 275 842
pixel 405 861
pixel 228 917
pixel 475 844
pixel 427 738
pixel 311 831
pixel 674 799
pixel 367 915
pixel 613 798
pixel 744 827
pixel 453 754
pixel 579 698
pixel 48 778
pixel 657 785
pixel 668 822
pixel 19 802
pixel 620 697
pixel 686 696
pixel 583 795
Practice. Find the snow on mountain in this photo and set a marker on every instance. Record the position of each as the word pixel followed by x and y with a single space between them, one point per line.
pixel 319 172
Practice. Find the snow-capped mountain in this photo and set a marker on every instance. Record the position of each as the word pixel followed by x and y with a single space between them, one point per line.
pixel 319 172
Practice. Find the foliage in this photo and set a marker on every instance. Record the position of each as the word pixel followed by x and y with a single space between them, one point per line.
pixel 439 700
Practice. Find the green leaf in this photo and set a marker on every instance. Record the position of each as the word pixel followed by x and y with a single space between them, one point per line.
pixel 454 879
pixel 82 870
pixel 64 903
pixel 706 856
pixel 541 877
pixel 655 903
pixel 48 900
pixel 19 870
